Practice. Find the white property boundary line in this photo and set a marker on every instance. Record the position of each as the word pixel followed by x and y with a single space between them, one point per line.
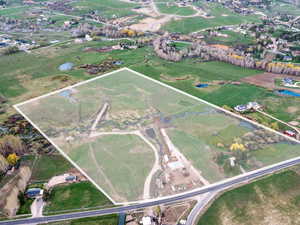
pixel 174 89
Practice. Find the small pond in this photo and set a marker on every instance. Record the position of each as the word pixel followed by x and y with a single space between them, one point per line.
pixel 288 92
pixel 202 85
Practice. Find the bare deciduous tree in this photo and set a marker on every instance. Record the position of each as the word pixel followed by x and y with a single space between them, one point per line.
pixel 11 144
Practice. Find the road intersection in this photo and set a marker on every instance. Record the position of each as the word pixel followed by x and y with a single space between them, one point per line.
pixel 244 178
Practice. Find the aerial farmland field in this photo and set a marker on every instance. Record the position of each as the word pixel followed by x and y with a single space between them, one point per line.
pixel 171 8
pixel 137 139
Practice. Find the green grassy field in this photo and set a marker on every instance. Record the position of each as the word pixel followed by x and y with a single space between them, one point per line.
pixel 206 71
pixel 276 153
pixel 75 196
pixel 203 133
pixel 108 8
pixel 285 108
pixel 48 166
pixel 272 200
pixel 228 134
pixel 103 220
pixel 220 16
pixel 199 153
pixel 118 163
pixel 198 130
pixel 171 8
pixel 14 12
pixel 188 25
pixel 18 73
pixel 233 38
pixel 210 129
pixel 18 68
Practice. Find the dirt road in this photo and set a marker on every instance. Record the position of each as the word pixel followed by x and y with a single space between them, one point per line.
pixel 156 166
pixel 181 157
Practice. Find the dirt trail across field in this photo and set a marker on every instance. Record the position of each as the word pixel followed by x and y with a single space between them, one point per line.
pixel 156 166
pixel 100 115
pixel 100 171
pixel 157 19
pixel 180 156
pixel 151 24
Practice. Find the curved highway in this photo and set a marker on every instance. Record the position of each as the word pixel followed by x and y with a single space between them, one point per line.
pixel 219 186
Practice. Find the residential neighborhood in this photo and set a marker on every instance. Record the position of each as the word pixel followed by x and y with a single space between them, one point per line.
pixel 149 112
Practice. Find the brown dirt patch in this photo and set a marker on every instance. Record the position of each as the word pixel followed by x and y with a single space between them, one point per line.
pixel 173 214
pixel 150 24
pixel 292 109
pixel 147 11
pixel 174 79
pixel 267 80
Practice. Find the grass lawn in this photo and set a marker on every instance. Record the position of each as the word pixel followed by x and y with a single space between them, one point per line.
pixel 75 196
pixel 107 8
pixel 233 95
pixel 14 12
pixel 232 38
pixel 276 153
pixel 227 135
pixel 285 108
pixel 124 169
pixel 172 8
pixel 18 74
pixel 257 202
pixel 220 16
pixel 230 95
pixel 188 25
pixel 181 45
pixel 102 220
pixel 17 71
pixel 205 71
pixel 48 166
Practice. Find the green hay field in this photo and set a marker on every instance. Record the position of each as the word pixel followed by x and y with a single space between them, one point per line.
pixel 120 162
pixel 257 202
pixel 124 159
pixel 171 8
pixel 108 8
pixel 220 16
pixel 75 196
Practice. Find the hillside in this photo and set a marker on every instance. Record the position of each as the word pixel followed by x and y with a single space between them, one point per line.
pixel 273 200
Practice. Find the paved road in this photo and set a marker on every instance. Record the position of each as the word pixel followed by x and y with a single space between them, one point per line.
pixel 226 184
pixel 201 204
